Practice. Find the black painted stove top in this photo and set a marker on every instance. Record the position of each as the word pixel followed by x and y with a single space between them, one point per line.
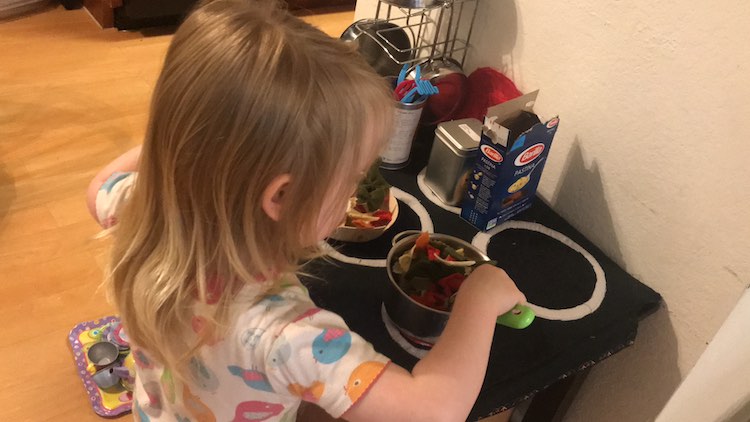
pixel 578 323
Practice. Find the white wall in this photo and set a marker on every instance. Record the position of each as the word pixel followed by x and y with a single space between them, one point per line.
pixel 720 375
pixel 650 162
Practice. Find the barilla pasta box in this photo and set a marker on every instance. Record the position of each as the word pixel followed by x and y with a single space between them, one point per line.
pixel 512 152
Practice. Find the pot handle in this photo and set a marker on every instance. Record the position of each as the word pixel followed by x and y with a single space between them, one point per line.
pixel 520 317
pixel 400 236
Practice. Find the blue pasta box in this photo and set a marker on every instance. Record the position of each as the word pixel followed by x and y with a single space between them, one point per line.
pixel 512 152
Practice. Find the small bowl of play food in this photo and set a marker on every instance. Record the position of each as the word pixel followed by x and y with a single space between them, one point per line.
pixel 364 227
pixel 425 273
pixel 371 212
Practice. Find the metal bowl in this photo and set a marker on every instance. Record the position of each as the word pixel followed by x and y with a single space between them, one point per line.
pixel 382 44
pixel 103 353
pixel 418 322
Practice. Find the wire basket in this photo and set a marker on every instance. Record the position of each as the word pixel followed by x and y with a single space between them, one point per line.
pixel 441 31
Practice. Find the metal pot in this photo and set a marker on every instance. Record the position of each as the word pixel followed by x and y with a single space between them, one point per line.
pixel 433 69
pixel 382 44
pixel 417 322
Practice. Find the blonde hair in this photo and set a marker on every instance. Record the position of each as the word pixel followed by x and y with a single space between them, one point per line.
pixel 247 93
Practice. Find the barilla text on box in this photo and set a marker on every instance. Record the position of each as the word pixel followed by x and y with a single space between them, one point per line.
pixel 509 166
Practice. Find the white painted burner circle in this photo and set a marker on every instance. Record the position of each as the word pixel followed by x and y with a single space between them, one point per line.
pixel 482 240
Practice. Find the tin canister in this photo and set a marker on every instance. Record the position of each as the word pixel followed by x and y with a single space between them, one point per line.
pixel 406 118
pixel 452 157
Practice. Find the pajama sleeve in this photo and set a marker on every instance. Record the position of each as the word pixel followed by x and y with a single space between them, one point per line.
pixel 318 359
pixel 111 195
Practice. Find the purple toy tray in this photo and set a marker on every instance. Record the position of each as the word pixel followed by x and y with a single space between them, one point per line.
pixel 105 403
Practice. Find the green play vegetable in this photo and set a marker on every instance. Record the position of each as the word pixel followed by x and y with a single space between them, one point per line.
pixel 372 191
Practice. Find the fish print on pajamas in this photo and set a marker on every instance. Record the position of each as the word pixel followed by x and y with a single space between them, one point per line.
pixel 307 314
pixel 167 385
pixel 280 354
pixel 141 360
pixel 112 181
pixel 251 337
pixel 256 411
pixel 214 290
pixel 204 328
pixel 273 301
pixel 198 410
pixel 361 379
pixel 139 414
pixel 252 378
pixel 203 376
pixel 312 393
pixel 331 345
pixel 154 406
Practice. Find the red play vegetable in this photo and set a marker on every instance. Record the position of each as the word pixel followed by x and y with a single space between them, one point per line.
pixel 384 217
pixel 431 299
pixel 450 284
pixel 432 253
pixel 428 277
pixel 422 241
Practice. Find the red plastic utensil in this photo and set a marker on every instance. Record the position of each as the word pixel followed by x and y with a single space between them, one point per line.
pixel 403 88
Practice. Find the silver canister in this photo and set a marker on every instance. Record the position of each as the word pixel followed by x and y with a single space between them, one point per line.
pixel 453 152
pixel 405 121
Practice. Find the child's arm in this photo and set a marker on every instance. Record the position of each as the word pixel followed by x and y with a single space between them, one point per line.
pixel 124 163
pixel 444 385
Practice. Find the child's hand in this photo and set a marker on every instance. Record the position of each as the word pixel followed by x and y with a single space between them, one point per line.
pixel 492 285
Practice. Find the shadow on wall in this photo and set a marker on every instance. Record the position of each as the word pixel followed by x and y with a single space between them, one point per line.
pixel 494 36
pixel 580 199
pixel 636 382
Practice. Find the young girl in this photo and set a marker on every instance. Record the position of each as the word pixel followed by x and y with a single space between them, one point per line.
pixel 260 128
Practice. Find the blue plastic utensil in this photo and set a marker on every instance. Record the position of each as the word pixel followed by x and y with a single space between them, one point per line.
pixel 409 95
pixel 402 74
pixel 424 87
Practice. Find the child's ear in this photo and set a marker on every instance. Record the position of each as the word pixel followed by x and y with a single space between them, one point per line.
pixel 274 196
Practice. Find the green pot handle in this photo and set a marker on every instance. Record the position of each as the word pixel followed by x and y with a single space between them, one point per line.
pixel 519 317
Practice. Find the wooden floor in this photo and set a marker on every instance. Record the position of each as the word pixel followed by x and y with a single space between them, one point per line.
pixel 72 97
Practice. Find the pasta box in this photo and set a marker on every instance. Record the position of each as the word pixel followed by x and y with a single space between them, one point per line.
pixel 512 152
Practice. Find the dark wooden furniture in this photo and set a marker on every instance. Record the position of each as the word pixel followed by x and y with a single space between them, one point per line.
pixel 135 14
pixel 537 369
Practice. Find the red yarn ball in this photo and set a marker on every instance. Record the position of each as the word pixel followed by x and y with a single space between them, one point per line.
pixel 486 87
pixel 442 107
